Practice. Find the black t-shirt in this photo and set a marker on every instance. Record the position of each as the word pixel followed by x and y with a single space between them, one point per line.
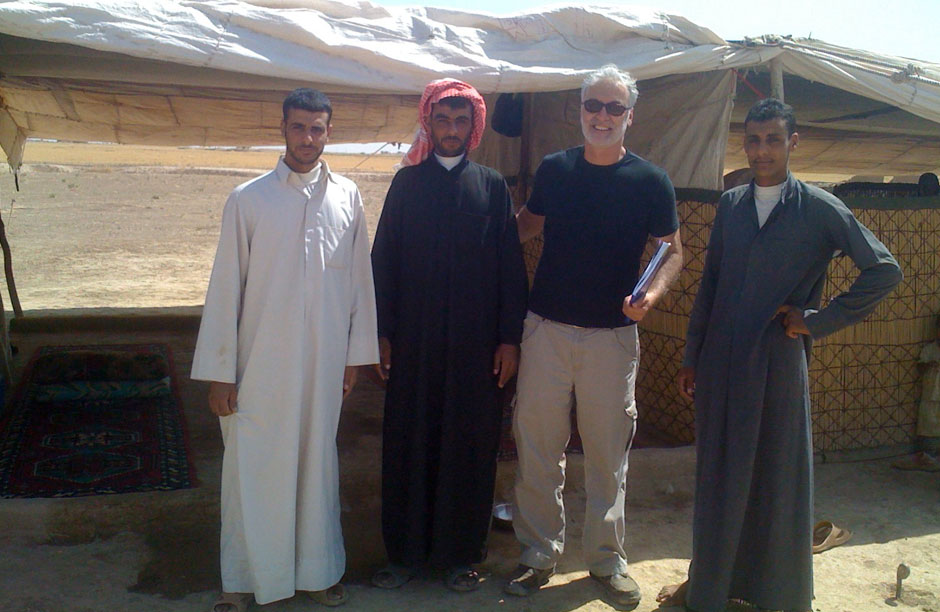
pixel 597 223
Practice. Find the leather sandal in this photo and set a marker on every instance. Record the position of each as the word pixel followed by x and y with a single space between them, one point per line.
pixel 334 596
pixel 232 602
pixel 392 576
pixel 462 579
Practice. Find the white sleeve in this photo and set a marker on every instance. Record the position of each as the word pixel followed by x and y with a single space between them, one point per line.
pixel 363 332
pixel 216 354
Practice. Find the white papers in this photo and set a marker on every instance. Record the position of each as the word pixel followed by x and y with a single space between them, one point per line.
pixel 643 285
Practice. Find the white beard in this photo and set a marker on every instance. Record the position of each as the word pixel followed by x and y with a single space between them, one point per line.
pixel 604 139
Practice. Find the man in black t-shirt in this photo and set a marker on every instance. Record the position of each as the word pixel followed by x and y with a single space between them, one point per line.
pixel 597 205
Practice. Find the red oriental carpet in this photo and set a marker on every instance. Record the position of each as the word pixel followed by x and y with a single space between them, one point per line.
pixel 92 420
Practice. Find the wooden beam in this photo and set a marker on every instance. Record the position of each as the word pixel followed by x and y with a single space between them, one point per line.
pixel 776 79
pixel 8 271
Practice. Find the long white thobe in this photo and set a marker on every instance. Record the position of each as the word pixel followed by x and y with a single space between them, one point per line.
pixel 290 303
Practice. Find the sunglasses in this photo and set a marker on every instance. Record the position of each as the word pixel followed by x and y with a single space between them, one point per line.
pixel 614 109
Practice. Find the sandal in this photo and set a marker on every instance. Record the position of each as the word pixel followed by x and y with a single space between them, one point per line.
pixel 462 579
pixel 392 576
pixel 826 535
pixel 334 596
pixel 232 602
pixel 918 461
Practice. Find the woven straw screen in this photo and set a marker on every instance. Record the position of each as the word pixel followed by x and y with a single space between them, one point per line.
pixel 865 385
pixel 864 382
pixel 662 334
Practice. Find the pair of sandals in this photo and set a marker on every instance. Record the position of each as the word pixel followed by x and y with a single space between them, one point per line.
pixel 461 579
pixel 334 596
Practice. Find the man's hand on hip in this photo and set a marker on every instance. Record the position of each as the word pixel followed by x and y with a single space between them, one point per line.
pixel 793 321
pixel 223 398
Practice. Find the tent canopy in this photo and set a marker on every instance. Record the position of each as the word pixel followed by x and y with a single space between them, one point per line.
pixel 177 72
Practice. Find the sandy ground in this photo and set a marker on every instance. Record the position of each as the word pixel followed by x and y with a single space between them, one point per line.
pixel 98 238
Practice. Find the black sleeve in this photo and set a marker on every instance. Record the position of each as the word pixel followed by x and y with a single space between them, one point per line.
pixel 513 280
pixel 664 219
pixel 536 201
pixel 386 256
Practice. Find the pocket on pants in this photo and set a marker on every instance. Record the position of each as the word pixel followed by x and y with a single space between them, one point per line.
pixel 529 325
pixel 629 340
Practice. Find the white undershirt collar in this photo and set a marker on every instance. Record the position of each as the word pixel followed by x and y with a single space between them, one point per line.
pixel 305 181
pixel 449 162
pixel 766 199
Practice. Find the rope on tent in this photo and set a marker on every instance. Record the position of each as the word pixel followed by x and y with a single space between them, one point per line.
pixel 743 79
pixel 370 156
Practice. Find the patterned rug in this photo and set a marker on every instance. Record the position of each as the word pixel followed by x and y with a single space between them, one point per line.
pixel 92 420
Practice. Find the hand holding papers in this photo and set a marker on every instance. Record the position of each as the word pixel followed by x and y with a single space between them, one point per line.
pixel 657 261
pixel 646 280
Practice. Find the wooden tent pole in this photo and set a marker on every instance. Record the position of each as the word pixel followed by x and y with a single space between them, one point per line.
pixel 8 271
pixel 6 355
pixel 776 79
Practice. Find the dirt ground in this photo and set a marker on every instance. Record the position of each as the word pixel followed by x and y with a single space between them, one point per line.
pixel 129 241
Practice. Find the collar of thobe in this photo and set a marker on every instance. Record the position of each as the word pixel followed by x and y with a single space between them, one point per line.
pixel 285 174
pixel 432 161
pixel 789 189
pixel 449 162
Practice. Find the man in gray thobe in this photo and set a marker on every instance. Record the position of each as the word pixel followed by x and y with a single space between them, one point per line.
pixel 754 319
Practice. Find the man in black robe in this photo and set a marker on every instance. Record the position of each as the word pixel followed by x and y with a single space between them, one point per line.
pixel 747 347
pixel 451 290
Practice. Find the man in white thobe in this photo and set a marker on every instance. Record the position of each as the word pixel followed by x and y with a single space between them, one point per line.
pixel 289 315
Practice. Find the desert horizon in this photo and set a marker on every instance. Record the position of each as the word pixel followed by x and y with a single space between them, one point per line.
pixel 122 226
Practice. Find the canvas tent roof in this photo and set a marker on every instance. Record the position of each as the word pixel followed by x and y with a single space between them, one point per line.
pixel 182 72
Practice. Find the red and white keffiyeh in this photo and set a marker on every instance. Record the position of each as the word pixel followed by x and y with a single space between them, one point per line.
pixel 434 93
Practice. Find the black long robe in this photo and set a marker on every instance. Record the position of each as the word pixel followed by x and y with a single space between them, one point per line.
pixel 450 287
pixel 752 527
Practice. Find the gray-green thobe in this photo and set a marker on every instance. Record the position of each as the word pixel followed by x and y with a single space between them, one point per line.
pixel 752 529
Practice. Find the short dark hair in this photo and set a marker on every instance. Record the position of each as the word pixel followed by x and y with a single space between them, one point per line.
pixel 308 99
pixel 456 102
pixel 769 109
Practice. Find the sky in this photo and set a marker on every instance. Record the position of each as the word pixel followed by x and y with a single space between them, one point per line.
pixel 906 28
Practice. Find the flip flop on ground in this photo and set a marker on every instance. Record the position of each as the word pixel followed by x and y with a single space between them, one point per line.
pixel 334 596
pixel 462 579
pixel 826 536
pixel 232 602
pixel 920 461
pixel 392 576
